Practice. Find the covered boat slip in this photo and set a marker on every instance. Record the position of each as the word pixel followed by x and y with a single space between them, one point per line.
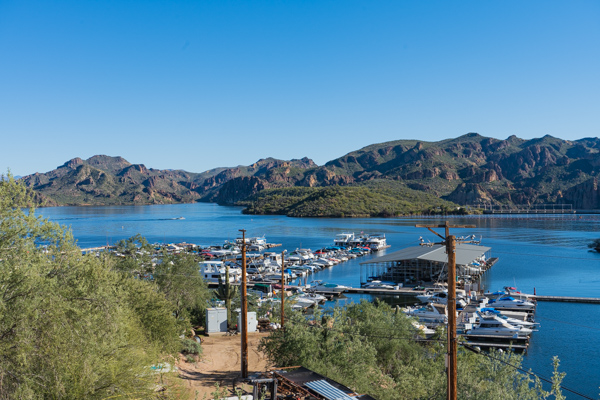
pixel 420 264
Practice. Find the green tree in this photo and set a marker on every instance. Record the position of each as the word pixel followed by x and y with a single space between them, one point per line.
pixel 227 292
pixel 178 278
pixel 70 326
pixel 136 256
pixel 371 349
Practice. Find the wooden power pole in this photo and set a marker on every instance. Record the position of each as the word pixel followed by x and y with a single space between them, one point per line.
pixel 282 288
pixel 244 310
pixel 450 243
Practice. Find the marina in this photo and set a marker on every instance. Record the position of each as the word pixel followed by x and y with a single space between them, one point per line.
pixel 532 251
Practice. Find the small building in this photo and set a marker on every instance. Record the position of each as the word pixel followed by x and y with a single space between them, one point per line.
pixel 428 263
pixel 216 320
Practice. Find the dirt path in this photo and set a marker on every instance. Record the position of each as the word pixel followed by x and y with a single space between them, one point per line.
pixel 220 363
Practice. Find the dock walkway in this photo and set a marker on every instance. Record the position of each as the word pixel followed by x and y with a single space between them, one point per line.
pixel 565 299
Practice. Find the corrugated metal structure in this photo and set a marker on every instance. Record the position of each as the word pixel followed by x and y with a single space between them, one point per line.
pixel 306 384
pixel 327 390
pixel 423 263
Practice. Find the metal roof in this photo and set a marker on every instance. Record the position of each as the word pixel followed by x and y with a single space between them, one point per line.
pixel 465 254
pixel 328 391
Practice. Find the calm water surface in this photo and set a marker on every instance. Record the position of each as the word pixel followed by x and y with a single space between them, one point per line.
pixel 548 253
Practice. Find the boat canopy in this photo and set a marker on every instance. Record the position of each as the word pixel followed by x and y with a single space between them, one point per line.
pixel 465 254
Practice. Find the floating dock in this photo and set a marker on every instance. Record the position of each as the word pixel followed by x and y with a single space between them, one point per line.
pixel 403 291
pixel 565 299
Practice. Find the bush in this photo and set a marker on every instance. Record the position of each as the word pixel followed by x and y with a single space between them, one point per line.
pixel 190 346
pixel 190 358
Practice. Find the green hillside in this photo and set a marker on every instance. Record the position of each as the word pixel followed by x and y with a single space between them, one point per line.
pixel 374 199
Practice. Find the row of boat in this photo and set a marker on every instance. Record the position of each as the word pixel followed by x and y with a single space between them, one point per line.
pixel 499 319
pixel 264 269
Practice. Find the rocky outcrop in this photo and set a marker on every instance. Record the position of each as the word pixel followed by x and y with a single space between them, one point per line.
pixel 585 196
pixel 239 188
pixel 469 193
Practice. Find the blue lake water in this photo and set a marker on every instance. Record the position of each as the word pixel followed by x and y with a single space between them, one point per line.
pixel 548 253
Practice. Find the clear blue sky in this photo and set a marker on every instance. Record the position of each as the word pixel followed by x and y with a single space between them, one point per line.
pixel 198 84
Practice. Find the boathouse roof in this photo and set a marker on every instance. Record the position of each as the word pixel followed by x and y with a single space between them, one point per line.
pixel 465 254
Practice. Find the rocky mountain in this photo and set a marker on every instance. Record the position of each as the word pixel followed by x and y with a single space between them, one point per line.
pixel 466 170
pixel 472 169
pixel 105 180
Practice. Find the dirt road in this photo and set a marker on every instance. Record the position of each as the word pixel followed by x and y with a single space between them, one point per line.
pixel 221 363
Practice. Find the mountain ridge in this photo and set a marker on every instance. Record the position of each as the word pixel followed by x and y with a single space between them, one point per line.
pixel 465 170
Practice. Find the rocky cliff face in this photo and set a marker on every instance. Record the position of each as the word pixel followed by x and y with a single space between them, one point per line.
pixel 240 188
pixel 585 196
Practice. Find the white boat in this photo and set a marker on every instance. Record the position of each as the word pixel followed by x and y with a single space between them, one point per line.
pixel 379 285
pixel 376 242
pixel 323 261
pixel 302 301
pixel 429 313
pixel 512 303
pixel 493 325
pixel 211 271
pixel 442 298
pixel 303 255
pixel 343 239
pixel 512 292
pixel 488 312
pixel 316 297
pixel 422 330
pixel 324 287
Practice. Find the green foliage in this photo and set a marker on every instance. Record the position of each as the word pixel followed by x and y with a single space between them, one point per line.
pixel 227 293
pixel 190 346
pixel 178 278
pixel 70 325
pixel 371 349
pixel 374 199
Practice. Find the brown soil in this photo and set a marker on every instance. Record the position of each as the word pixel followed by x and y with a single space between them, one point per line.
pixel 221 363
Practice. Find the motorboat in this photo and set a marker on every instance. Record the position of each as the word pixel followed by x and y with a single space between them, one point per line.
pixel 510 291
pixel 487 312
pixel 323 261
pixel 492 325
pixel 512 303
pixel 316 297
pixel 380 285
pixel 442 298
pixel 303 255
pixel 422 330
pixel 324 287
pixel 429 313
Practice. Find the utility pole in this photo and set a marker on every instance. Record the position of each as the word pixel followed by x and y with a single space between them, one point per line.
pixel 244 310
pixel 450 243
pixel 282 288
